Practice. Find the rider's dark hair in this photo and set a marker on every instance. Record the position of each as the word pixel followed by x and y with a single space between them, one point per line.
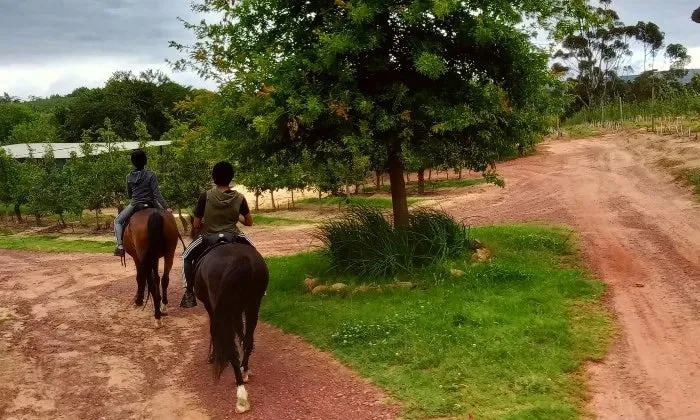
pixel 139 159
pixel 222 174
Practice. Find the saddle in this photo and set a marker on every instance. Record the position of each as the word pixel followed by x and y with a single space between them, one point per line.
pixel 215 240
pixel 137 209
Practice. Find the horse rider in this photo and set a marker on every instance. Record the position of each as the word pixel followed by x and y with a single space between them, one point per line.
pixel 142 189
pixel 221 208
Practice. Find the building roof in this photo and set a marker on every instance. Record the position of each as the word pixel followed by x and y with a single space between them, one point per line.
pixel 64 150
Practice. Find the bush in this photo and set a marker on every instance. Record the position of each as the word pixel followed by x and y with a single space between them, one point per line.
pixel 363 241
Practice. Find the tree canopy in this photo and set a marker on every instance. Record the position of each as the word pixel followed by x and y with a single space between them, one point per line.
pixel 324 77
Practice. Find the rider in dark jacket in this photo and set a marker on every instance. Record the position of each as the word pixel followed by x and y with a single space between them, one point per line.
pixel 142 189
pixel 221 209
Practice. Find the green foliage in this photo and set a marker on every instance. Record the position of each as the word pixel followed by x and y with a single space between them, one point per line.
pixel 363 242
pixel 125 98
pixel 11 115
pixel 506 340
pixel 335 81
pixel 52 190
pixel 42 129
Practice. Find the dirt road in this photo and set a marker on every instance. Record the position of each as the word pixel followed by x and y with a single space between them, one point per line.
pixel 641 234
pixel 71 346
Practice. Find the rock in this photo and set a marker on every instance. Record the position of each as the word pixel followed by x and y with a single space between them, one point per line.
pixel 639 285
pixel 404 285
pixel 457 273
pixel 310 283
pixel 481 255
pixel 320 289
pixel 338 287
pixel 365 289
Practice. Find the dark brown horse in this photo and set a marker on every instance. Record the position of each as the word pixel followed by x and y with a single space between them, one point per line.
pixel 151 235
pixel 231 281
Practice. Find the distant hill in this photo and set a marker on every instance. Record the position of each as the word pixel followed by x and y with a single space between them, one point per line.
pixel 688 77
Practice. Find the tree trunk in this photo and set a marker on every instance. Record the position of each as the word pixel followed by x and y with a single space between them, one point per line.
pixel 398 187
pixel 292 191
pixel 63 222
pixel 379 181
pixel 18 213
pixel 430 174
pixel 272 196
pixel 37 216
pixel 421 180
pixel 460 173
pixel 257 199
pixel 182 220
pixel 97 219
pixel 408 177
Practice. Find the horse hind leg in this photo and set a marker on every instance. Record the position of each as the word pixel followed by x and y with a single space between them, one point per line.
pixel 242 402
pixel 155 295
pixel 251 321
pixel 165 282
pixel 140 287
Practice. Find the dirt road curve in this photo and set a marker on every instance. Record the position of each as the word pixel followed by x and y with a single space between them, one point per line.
pixel 641 234
pixel 74 348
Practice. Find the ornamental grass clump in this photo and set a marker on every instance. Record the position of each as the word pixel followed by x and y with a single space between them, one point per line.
pixel 364 242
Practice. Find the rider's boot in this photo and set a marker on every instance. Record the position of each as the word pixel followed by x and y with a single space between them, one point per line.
pixel 188 299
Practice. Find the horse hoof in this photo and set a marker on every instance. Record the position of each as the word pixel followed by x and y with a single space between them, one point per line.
pixel 158 323
pixel 242 403
pixel 246 376
pixel 137 304
pixel 163 309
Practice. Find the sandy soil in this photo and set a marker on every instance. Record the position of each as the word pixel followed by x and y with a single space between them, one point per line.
pixel 72 347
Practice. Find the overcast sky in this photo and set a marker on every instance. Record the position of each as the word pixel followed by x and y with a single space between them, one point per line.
pixel 55 46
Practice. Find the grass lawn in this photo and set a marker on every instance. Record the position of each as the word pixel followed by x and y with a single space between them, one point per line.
pixel 381 202
pixel 54 244
pixel 412 187
pixel 264 220
pixel 506 340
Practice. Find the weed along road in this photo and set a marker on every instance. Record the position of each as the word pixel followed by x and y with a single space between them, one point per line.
pixel 640 233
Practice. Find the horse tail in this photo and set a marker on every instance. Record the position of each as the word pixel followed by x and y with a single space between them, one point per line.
pixel 227 318
pixel 156 243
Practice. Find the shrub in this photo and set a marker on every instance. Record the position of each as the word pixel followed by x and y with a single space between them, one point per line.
pixel 364 242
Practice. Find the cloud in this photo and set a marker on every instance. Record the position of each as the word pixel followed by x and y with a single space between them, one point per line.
pixel 55 46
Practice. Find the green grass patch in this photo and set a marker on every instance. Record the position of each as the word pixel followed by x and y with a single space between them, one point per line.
pixel 582 131
pixel 692 176
pixel 412 187
pixel 506 340
pixel 54 244
pixel 454 183
pixel 262 219
pixel 380 202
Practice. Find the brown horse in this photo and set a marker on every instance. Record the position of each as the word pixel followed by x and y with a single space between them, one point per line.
pixel 231 280
pixel 152 234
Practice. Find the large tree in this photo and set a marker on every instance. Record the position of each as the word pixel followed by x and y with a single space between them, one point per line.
pixel 318 75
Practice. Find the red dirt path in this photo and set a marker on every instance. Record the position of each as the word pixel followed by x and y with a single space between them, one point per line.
pixel 72 347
